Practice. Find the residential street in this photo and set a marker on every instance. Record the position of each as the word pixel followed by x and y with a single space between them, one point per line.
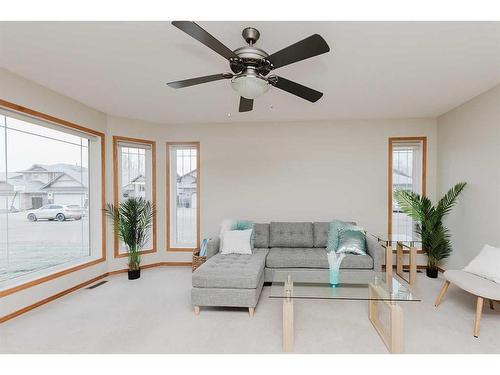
pixel 40 244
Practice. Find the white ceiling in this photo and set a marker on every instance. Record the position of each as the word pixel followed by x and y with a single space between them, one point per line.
pixel 374 69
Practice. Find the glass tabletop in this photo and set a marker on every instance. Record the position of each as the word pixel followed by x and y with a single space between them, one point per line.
pixel 393 239
pixel 377 286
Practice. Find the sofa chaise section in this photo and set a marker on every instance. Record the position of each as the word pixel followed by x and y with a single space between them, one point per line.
pixel 232 280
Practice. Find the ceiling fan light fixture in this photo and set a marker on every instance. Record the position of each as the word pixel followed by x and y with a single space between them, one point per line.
pixel 249 86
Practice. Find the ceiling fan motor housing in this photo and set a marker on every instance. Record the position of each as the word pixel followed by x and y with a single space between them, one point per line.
pixel 251 35
pixel 250 56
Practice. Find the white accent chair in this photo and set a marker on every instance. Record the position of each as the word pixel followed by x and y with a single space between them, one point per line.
pixel 476 285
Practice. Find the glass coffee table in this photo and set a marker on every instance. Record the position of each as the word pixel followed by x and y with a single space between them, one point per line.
pixel 377 289
pixel 401 246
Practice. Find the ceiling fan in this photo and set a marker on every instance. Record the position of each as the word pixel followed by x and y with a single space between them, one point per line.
pixel 251 66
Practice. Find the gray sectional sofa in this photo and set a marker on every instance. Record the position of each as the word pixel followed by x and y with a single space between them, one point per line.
pixel 280 249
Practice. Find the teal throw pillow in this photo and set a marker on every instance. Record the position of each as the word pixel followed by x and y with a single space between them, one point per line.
pixel 352 241
pixel 334 230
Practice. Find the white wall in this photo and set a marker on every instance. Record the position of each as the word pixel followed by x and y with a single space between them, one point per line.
pixel 291 171
pixel 469 150
pixel 19 90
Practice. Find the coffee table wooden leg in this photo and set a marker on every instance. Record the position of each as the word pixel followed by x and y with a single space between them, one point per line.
pixel 288 324
pixel 388 262
pixel 399 259
pixel 413 265
pixel 397 339
pixel 392 336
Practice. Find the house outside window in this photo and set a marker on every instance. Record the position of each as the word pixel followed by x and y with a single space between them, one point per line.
pixel 407 169
pixel 135 177
pixel 183 196
pixel 46 200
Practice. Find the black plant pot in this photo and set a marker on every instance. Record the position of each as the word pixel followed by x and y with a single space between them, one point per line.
pixel 432 272
pixel 134 274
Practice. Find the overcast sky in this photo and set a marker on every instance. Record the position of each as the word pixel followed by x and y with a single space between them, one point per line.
pixel 24 150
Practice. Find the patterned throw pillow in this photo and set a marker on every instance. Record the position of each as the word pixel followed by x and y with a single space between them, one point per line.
pixel 352 241
pixel 334 230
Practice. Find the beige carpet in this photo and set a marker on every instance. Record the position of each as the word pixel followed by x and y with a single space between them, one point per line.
pixel 153 315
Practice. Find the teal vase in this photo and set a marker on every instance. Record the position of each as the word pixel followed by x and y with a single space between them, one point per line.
pixel 334 277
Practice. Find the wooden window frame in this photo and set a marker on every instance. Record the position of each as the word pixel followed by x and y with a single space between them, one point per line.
pixel 422 139
pixel 138 141
pixel 69 125
pixel 198 201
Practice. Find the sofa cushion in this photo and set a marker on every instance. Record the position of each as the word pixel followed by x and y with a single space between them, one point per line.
pixel 231 271
pixel 261 235
pixel 358 262
pixel 291 234
pixel 320 231
pixel 280 257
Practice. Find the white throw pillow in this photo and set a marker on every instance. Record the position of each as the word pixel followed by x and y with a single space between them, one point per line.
pixel 236 242
pixel 486 264
pixel 225 226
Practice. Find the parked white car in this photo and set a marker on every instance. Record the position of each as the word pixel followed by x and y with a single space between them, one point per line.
pixel 57 212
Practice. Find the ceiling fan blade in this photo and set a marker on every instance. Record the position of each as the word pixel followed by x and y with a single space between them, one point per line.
pixel 204 37
pixel 296 89
pixel 306 48
pixel 198 80
pixel 246 104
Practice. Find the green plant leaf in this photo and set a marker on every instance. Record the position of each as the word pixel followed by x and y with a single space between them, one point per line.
pixel 434 235
pixel 132 220
pixel 449 200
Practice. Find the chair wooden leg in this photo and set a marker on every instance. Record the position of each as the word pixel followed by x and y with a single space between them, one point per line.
pixel 479 310
pixel 251 311
pixel 492 306
pixel 442 292
pixel 197 310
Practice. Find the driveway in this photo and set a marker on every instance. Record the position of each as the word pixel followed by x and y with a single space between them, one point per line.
pixel 40 244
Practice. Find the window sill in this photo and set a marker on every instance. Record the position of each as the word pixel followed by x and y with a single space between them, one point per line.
pixel 17 284
pixel 142 252
pixel 185 249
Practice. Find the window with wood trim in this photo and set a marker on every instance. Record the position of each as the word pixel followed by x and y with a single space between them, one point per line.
pixel 407 171
pixel 50 199
pixel 134 164
pixel 183 222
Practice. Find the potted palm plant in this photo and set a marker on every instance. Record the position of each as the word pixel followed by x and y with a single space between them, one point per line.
pixel 132 220
pixel 434 235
